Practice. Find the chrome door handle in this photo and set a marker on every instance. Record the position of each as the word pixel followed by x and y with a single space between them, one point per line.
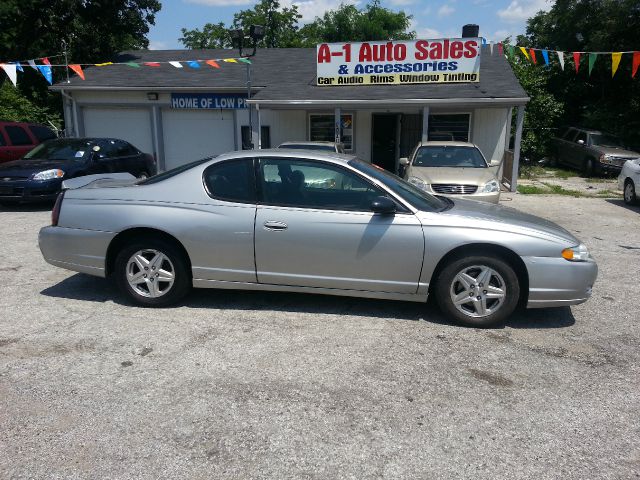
pixel 274 225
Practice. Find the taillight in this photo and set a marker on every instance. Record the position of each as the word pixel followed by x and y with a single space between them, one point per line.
pixel 55 213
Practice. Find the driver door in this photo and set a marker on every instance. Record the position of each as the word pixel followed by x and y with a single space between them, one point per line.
pixel 314 228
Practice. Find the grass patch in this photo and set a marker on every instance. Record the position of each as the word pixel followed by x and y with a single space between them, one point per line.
pixel 608 194
pixel 531 172
pixel 562 173
pixel 559 190
pixel 531 190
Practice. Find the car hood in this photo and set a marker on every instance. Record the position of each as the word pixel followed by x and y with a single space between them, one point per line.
pixel 455 175
pixel 488 216
pixel 25 168
pixel 618 152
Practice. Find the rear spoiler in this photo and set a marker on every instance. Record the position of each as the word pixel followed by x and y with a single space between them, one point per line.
pixel 80 182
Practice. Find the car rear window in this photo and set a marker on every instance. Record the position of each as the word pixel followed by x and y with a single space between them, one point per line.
pixel 173 172
pixel 18 135
pixel 42 133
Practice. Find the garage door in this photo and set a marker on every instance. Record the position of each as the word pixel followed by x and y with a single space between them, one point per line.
pixel 193 134
pixel 130 124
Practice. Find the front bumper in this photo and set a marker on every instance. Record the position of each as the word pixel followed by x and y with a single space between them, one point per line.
pixel 29 191
pixel 493 197
pixel 556 282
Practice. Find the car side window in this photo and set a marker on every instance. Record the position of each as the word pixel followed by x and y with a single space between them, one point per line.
pixel 581 136
pixel 124 149
pixel 302 183
pixel 569 134
pixel 231 180
pixel 107 150
pixel 18 135
pixel 42 133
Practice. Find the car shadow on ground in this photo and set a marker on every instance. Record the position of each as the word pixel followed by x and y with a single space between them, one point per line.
pixel 620 203
pixel 93 289
pixel 26 207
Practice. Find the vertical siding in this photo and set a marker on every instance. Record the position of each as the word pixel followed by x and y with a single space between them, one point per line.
pixel 284 125
pixel 362 123
pixel 489 131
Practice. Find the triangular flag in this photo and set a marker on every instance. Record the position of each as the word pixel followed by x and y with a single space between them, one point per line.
pixel 176 64
pixel 32 64
pixel 193 64
pixel 500 49
pixel 524 51
pixel 103 64
pixel 561 59
pixel 592 61
pixel 78 70
pixel 152 64
pixel 133 64
pixel 545 55
pixel 512 50
pixel 615 62
pixel 532 52
pixel 491 47
pixel 19 67
pixel 636 64
pixel 10 69
pixel 230 60
pixel 46 70
pixel 576 60
pixel 213 63
pixel 245 60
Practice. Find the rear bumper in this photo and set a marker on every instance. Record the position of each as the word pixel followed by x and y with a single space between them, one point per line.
pixel 556 282
pixel 74 249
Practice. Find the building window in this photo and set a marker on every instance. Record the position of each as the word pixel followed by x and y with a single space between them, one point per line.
pixel 449 127
pixel 265 141
pixel 321 129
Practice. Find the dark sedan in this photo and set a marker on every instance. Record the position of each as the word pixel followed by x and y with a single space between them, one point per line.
pixel 39 174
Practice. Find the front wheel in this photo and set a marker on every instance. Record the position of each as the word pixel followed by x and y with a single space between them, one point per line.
pixel 478 291
pixel 630 197
pixel 588 168
pixel 152 273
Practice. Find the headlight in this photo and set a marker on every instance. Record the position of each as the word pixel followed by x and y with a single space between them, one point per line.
pixel 604 158
pixel 48 174
pixel 418 182
pixel 490 187
pixel 576 254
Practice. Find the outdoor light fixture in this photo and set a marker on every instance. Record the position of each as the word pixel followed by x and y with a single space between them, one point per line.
pixel 237 37
pixel 152 96
pixel 256 33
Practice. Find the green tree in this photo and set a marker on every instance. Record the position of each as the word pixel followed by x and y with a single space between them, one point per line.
pixel 596 100
pixel 212 35
pixel 15 107
pixel 93 30
pixel 348 23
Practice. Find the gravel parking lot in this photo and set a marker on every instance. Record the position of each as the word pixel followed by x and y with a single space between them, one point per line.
pixel 267 385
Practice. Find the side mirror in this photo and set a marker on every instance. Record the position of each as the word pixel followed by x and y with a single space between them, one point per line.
pixel 383 205
pixel 494 163
pixel 580 142
pixel 404 161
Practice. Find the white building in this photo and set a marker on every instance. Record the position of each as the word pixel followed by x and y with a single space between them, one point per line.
pixel 183 114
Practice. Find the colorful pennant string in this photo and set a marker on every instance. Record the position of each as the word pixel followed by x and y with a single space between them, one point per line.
pixel 545 56
pixel 576 60
pixel 615 62
pixel 213 63
pixel 592 60
pixel 78 70
pixel 10 70
pixel 636 64
pixel 561 60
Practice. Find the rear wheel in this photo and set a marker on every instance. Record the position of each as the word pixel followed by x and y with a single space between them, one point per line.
pixel 630 197
pixel 143 175
pixel 153 273
pixel 478 291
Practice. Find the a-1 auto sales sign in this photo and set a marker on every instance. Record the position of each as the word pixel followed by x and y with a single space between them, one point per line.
pixel 449 60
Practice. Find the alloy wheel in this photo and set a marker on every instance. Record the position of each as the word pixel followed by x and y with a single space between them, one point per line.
pixel 150 273
pixel 478 291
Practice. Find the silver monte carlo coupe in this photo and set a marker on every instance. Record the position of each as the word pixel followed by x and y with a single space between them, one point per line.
pixel 251 220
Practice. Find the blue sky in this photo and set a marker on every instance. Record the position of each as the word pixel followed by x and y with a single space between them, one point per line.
pixel 432 19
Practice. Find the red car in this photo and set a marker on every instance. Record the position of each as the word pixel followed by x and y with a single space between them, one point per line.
pixel 18 138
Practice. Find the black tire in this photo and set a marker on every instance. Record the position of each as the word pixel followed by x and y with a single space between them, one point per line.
pixel 447 285
pixel 630 197
pixel 179 265
pixel 143 175
pixel 588 168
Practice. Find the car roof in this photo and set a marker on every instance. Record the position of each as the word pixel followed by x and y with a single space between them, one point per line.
pixel 447 143
pixel 283 153
pixel 304 142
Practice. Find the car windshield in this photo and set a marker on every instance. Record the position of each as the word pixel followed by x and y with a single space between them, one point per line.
pixel 70 149
pixel 605 140
pixel 302 146
pixel 449 156
pixel 416 197
pixel 173 172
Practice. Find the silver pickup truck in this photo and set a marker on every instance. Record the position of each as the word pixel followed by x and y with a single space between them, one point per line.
pixel 590 151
